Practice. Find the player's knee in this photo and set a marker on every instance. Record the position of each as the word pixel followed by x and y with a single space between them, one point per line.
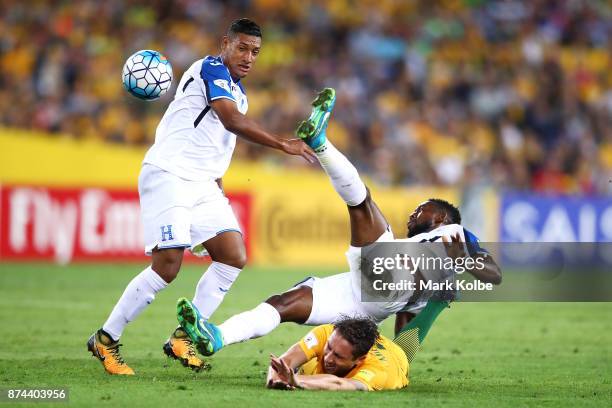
pixel 167 263
pixel 281 304
pixel 240 260
pixel 367 201
pixel 168 272
pixel 291 305
pixel 227 248
pixel 284 300
pixel 236 258
pixel 275 301
pixel 368 198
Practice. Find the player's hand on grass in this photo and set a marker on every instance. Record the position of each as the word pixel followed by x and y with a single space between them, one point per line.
pixel 297 147
pixel 279 385
pixel 285 377
pixel 273 381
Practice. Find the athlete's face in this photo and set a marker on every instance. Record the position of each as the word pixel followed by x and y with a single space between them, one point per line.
pixel 422 219
pixel 338 356
pixel 239 53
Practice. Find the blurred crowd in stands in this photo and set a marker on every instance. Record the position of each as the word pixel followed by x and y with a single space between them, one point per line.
pixel 511 94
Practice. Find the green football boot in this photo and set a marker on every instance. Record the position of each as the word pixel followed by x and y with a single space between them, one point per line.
pixel 205 336
pixel 312 130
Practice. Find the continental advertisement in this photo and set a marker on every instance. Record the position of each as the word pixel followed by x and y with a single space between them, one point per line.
pixel 307 223
pixel 66 200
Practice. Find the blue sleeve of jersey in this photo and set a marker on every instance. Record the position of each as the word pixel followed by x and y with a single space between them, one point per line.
pixel 472 244
pixel 216 79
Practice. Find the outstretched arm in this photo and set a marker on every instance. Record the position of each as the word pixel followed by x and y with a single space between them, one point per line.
pixel 237 123
pixel 328 382
pixel 293 358
pixel 281 375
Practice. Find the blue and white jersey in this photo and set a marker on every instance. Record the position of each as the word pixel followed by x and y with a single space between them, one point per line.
pixel 190 140
pixel 472 247
pixel 473 244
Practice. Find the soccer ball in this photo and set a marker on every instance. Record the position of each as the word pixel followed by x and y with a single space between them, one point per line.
pixel 147 74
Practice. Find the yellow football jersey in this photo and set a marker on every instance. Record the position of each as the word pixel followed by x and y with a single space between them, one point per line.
pixel 384 368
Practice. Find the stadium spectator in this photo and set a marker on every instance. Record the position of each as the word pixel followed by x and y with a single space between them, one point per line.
pixel 509 94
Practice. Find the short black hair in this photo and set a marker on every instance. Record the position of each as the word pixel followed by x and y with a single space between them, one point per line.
pixel 244 26
pixel 451 211
pixel 362 333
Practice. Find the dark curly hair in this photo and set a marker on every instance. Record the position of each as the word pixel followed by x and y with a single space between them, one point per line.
pixel 362 333
pixel 453 213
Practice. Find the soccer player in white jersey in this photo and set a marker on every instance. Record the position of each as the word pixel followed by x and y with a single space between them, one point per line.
pixel 317 301
pixel 181 195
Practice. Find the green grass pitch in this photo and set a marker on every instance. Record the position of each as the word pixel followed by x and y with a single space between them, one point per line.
pixel 477 354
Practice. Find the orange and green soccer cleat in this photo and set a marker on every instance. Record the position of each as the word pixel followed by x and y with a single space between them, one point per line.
pixel 180 347
pixel 106 350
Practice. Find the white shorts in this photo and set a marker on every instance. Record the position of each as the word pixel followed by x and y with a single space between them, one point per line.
pixel 338 296
pixel 332 299
pixel 179 213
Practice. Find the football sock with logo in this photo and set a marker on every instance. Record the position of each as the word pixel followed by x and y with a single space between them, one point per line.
pixel 251 324
pixel 213 286
pixel 411 336
pixel 138 294
pixel 343 174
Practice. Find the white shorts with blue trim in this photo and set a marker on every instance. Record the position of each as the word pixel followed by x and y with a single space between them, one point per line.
pixel 338 296
pixel 179 213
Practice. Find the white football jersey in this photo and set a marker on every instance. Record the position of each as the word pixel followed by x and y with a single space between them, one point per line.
pixel 472 248
pixel 436 235
pixel 190 140
pixel 467 237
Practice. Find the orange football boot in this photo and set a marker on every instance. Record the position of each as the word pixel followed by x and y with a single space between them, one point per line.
pixel 180 347
pixel 106 350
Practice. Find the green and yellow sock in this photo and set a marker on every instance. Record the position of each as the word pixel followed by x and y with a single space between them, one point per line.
pixel 412 334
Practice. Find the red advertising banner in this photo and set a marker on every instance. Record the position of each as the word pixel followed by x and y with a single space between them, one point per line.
pixel 81 224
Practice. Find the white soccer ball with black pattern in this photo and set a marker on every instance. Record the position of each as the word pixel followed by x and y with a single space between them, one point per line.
pixel 147 74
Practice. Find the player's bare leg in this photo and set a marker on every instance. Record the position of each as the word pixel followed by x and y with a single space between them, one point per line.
pixel 367 221
pixel 140 292
pixel 367 225
pixel 294 305
pixel 167 262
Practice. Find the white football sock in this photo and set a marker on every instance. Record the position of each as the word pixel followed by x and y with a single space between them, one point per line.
pixel 213 286
pixel 249 325
pixel 138 294
pixel 343 174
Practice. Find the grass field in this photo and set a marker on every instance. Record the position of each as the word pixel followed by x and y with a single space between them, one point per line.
pixel 477 354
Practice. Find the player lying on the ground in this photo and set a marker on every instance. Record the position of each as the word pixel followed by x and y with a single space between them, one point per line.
pixel 317 301
pixel 349 355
